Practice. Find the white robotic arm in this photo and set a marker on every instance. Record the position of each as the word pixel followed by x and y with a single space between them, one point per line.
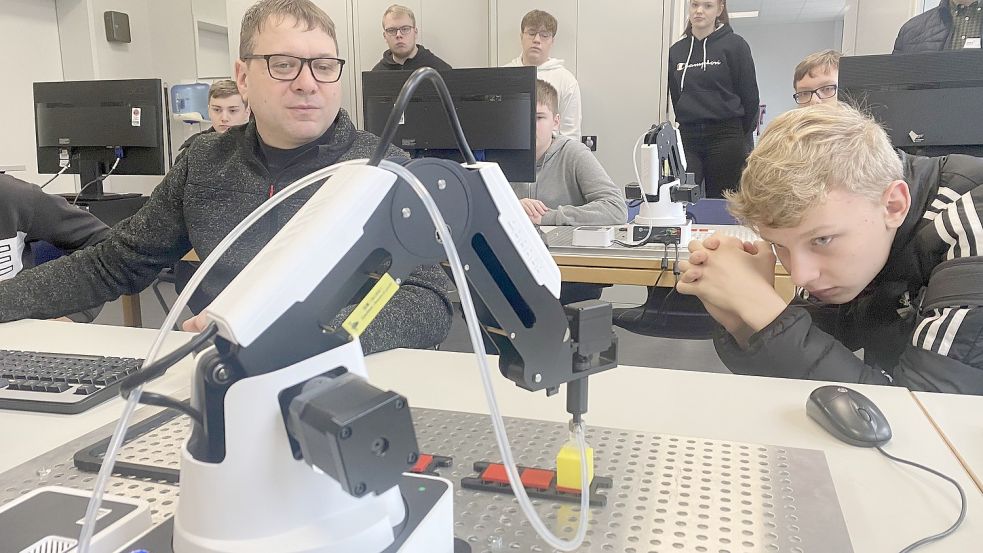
pixel 665 189
pixel 283 396
pixel 292 449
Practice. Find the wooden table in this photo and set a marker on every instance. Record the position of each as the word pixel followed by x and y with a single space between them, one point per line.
pixel 638 271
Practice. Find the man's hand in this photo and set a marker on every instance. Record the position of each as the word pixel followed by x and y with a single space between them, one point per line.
pixel 535 209
pixel 736 279
pixel 194 324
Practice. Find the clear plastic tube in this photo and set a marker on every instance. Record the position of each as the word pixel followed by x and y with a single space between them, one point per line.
pixel 109 460
pixel 501 436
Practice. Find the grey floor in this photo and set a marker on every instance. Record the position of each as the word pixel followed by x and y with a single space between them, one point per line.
pixel 634 349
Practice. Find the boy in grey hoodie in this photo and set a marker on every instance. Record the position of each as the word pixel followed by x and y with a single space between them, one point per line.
pixel 571 187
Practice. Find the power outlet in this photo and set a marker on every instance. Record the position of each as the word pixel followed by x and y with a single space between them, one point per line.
pixel 590 142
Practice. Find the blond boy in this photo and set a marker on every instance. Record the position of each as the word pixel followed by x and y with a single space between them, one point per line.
pixel 882 245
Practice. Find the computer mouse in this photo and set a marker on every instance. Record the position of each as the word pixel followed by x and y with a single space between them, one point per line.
pixel 849 416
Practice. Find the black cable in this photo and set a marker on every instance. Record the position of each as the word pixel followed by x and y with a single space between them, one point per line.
pixel 58 174
pixel 95 180
pixel 639 244
pixel 662 270
pixel 962 502
pixel 159 400
pixel 161 365
pixel 405 94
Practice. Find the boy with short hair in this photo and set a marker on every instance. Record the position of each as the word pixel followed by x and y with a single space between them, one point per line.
pixel 226 109
pixel 885 247
pixel 571 187
pixel 226 106
pixel 537 31
pixel 404 53
pixel 817 78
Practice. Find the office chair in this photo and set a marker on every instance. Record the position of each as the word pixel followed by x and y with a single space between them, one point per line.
pixel 179 274
pixel 44 252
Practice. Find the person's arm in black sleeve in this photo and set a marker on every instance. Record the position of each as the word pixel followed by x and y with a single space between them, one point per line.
pixel 747 87
pixel 63 225
pixel 418 315
pixel 126 262
pixel 792 346
pixel 948 358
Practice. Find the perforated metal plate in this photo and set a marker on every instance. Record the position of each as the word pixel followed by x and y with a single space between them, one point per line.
pixel 670 493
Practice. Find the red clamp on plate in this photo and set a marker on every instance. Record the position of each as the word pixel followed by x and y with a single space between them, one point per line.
pixel 537 479
pixel 495 472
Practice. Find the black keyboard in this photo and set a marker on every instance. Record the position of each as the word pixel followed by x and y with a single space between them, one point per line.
pixel 58 382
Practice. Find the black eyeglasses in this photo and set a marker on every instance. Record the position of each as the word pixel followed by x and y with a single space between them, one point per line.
pixel 823 93
pixel 543 35
pixel 405 30
pixel 287 68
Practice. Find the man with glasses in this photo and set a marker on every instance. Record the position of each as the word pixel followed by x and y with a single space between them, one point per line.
pixel 816 78
pixel 288 70
pixel 399 30
pixel 538 31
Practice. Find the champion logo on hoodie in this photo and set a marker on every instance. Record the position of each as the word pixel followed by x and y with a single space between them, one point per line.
pixel 681 66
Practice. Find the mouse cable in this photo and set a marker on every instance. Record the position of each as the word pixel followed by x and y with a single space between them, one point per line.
pixel 962 502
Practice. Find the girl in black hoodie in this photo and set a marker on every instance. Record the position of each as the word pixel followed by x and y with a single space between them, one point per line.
pixel 715 96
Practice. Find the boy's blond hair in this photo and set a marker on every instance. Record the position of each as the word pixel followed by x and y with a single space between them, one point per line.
pixel 806 153
pixel 307 15
pixel 224 88
pixel 398 10
pixel 547 96
pixel 819 62
pixel 538 19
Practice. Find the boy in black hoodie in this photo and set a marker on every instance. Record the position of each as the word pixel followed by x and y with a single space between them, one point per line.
pixel 399 30
pixel 714 95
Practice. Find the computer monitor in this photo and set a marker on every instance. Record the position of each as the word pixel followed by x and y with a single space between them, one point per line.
pixel 89 124
pixel 496 106
pixel 929 102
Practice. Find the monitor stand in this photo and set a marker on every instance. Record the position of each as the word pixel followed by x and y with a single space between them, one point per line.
pixel 110 208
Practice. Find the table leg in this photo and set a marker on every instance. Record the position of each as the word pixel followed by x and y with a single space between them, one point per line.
pixel 131 311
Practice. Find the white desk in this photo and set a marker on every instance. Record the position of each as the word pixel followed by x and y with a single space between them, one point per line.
pixel 25 435
pixel 959 418
pixel 885 506
pixel 11 168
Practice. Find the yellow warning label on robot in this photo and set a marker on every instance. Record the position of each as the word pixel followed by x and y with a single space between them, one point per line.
pixel 373 302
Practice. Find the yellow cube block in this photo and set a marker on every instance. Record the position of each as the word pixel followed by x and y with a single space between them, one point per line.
pixel 568 467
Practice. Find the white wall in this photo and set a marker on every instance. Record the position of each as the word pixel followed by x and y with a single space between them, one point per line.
pixel 871 26
pixel 25 24
pixel 119 60
pixel 621 100
pixel 775 55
